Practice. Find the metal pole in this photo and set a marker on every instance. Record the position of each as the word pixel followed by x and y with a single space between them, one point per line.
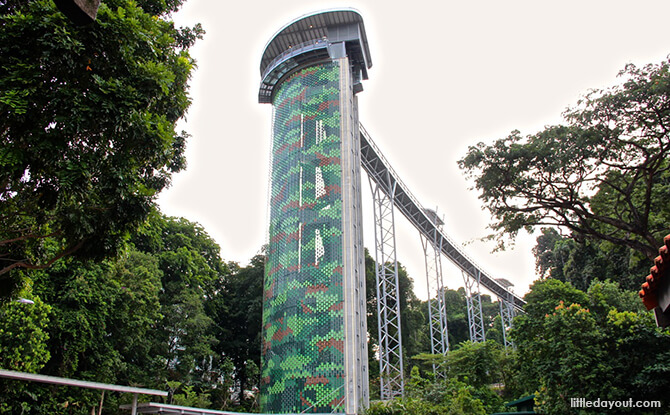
pixel 391 376
pixel 474 304
pixel 437 311
pixel 507 314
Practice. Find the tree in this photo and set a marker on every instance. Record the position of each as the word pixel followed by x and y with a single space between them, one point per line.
pixel 570 359
pixel 477 364
pixel 192 272
pixel 100 327
pixel 137 319
pixel 24 335
pixel 413 318
pixel 603 175
pixel 238 313
pixel 588 345
pixel 87 127
pixel 582 261
pixel 457 316
pixel 471 368
pixel 527 330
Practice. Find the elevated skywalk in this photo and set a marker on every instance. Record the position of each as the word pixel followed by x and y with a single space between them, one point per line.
pixel 379 169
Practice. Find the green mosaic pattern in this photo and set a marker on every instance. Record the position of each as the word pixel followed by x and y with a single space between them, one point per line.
pixel 303 333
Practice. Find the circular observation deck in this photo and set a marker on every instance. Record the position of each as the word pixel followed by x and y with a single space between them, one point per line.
pixel 312 38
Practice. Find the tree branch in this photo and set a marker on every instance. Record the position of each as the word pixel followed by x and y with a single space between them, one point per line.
pixel 27 265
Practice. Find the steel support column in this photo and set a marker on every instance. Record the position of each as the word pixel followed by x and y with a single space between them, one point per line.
pixel 474 304
pixel 437 307
pixel 391 377
pixel 507 314
pixel 507 310
pixel 376 165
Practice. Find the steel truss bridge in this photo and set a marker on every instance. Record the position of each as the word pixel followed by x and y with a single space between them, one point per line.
pixel 390 194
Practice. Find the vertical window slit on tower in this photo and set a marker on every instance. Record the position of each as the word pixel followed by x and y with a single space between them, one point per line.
pixel 318 248
pixel 320 185
pixel 320 132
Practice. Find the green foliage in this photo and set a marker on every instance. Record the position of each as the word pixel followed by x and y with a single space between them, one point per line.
pixel 528 328
pixel 571 359
pixel 238 319
pixel 588 345
pixel 209 336
pixel 602 176
pixel 191 272
pixel 184 395
pixel 402 407
pixel 138 319
pixel 136 314
pixel 88 120
pixel 413 317
pixel 99 329
pixel 606 296
pixel 457 317
pixel 545 296
pixel 114 300
pixel 372 321
pixel 24 335
pixel 471 371
pixel 451 397
pixel 416 382
pixel 476 364
pixel 462 404
pixel 582 261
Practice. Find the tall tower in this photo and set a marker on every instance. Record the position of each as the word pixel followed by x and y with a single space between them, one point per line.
pixel 314 316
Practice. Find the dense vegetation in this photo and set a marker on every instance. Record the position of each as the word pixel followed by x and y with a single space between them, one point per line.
pixel 598 344
pixel 87 137
pixel 167 313
pixel 123 294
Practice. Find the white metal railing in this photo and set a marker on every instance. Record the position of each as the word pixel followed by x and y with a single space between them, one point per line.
pixel 54 380
pixel 293 50
pixel 404 187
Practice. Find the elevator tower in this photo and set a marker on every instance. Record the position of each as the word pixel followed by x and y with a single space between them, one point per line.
pixel 314 346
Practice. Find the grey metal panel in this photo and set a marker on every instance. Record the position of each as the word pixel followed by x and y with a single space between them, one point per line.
pixel 302 54
pixel 355 327
pixel 311 27
pixel 376 166
pixel 303 41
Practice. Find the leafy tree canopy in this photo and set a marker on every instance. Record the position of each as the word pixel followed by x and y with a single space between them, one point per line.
pixel 87 126
pixel 602 175
pixel 237 314
pixel 572 343
pixel 23 335
pixel 192 272
pixel 140 318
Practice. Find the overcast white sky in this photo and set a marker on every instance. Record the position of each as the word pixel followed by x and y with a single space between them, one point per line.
pixel 445 75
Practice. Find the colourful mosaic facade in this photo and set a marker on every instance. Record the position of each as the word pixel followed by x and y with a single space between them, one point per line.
pixel 303 337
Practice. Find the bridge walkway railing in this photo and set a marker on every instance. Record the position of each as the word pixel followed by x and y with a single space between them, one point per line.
pixel 378 168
